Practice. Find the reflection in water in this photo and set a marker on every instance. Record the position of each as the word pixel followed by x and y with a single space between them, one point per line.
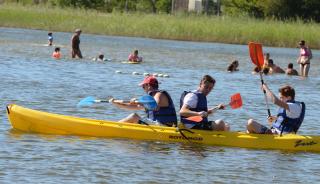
pixel 30 77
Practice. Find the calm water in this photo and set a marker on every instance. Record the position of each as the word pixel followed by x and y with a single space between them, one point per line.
pixel 29 77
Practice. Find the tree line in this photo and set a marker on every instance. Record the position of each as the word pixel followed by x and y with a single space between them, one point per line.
pixel 306 10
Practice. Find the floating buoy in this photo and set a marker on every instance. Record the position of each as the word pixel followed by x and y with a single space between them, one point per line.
pixel 146 74
pixel 166 76
pixel 135 73
pixel 118 71
pixel 160 75
pixel 155 74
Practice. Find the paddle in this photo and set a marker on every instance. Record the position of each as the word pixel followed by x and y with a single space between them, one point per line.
pixel 235 102
pixel 256 54
pixel 147 101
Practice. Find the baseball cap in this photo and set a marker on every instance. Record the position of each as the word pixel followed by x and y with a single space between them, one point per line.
pixel 149 80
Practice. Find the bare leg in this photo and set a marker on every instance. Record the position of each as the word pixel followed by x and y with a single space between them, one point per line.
pixel 220 125
pixel 253 126
pixel 132 118
pixel 302 70
pixel 306 69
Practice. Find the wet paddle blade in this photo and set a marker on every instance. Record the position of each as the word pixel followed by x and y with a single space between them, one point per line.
pixel 236 101
pixel 86 101
pixel 148 102
pixel 256 54
pixel 195 118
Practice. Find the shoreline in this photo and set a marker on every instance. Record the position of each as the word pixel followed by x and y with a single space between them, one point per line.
pixel 228 30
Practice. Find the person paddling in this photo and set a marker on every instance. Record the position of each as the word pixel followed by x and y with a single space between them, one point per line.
pixel 290 114
pixel 195 104
pixel 164 114
pixel 304 58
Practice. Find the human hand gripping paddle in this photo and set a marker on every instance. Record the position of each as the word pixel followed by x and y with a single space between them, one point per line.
pixel 235 103
pixel 147 101
pixel 256 54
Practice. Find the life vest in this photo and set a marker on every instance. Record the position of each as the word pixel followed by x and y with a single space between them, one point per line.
pixel 56 55
pixel 201 106
pixel 165 115
pixel 286 124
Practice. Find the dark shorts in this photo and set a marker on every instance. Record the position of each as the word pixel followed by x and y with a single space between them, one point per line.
pixel 266 130
pixel 207 126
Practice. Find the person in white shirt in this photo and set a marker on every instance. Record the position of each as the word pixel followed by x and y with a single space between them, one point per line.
pixel 289 117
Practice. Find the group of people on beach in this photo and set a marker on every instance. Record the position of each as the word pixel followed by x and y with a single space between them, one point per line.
pixel 194 103
pixel 76 52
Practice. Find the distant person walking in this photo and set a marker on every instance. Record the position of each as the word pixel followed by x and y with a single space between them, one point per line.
pixel 304 58
pixel 290 70
pixel 75 44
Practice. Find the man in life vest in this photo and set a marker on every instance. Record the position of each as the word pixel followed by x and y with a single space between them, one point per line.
pixel 164 114
pixel 290 114
pixel 194 103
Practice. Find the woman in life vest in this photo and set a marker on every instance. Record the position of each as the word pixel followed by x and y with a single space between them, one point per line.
pixel 304 58
pixel 290 114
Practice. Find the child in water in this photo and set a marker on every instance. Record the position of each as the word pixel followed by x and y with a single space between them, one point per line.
pixel 50 39
pixel 56 54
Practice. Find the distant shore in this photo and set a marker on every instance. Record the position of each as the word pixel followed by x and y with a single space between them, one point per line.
pixel 162 26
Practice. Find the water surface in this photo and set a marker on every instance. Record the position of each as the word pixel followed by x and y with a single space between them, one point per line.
pixel 30 77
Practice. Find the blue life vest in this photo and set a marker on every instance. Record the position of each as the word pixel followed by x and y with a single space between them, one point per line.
pixel 286 124
pixel 165 115
pixel 201 106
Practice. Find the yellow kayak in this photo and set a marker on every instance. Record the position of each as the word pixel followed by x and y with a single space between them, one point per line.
pixel 34 121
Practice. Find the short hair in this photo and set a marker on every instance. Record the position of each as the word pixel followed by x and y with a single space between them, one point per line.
pixel 266 70
pixel 208 79
pixel 270 61
pixel 290 65
pixel 287 91
pixel 136 51
pixel 57 49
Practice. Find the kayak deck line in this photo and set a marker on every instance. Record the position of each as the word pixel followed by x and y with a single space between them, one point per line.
pixel 34 121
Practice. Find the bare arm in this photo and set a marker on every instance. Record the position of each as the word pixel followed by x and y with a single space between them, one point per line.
pixel 275 99
pixel 127 105
pixel 185 111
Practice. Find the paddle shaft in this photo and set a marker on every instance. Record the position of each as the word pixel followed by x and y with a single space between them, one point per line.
pixel 265 95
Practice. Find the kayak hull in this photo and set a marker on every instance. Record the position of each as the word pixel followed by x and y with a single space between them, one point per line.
pixel 33 121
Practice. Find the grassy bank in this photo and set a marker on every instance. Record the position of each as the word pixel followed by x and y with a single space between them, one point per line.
pixel 194 28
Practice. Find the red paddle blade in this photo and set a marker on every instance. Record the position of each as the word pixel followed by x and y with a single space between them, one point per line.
pixel 236 101
pixel 256 54
pixel 195 118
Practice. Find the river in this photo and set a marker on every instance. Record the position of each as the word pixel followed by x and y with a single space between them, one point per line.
pixel 31 78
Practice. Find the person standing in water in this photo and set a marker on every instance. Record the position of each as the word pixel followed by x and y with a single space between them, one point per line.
pixel 304 58
pixel 75 44
pixel 50 39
